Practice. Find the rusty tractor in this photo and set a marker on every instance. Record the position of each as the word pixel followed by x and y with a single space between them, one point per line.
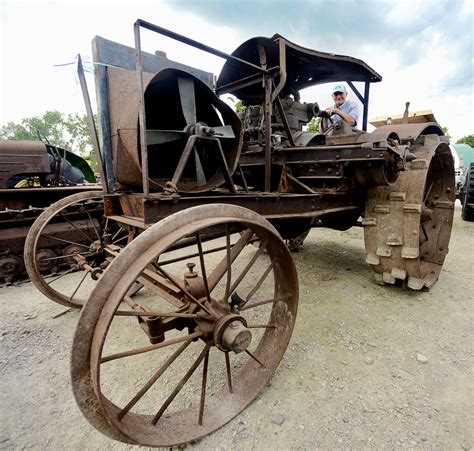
pixel 191 290
pixel 33 175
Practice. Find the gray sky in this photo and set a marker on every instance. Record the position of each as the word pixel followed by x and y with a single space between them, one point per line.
pixel 422 49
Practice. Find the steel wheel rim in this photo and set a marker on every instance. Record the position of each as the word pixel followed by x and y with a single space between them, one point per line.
pixel 224 407
pixel 408 224
pixel 31 248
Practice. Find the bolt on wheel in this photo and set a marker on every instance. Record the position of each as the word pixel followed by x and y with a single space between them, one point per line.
pixel 199 341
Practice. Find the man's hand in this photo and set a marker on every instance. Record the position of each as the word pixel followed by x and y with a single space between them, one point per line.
pixel 332 111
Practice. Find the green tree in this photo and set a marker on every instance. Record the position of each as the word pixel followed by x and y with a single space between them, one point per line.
pixel 314 125
pixel 239 106
pixel 469 140
pixel 69 131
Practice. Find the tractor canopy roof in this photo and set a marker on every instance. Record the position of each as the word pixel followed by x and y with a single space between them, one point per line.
pixel 304 67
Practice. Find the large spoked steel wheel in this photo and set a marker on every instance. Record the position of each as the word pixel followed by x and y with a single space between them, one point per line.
pixel 199 341
pixel 408 224
pixel 66 237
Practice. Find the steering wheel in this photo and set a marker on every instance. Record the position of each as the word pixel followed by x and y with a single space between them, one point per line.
pixel 322 114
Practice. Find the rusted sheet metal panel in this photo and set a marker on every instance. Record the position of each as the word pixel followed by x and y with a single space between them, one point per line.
pixel 108 54
pixel 308 67
pixel 411 131
pixel 21 198
pixel 22 157
pixel 271 206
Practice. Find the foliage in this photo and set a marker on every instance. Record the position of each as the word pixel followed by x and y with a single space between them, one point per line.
pixel 67 131
pixel 239 106
pixel 314 125
pixel 445 131
pixel 469 140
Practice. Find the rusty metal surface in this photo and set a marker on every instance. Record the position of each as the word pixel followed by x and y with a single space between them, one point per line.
pixel 304 67
pixel 41 170
pixel 164 113
pixel 412 131
pixel 71 226
pixel 408 224
pixel 202 164
pixel 22 157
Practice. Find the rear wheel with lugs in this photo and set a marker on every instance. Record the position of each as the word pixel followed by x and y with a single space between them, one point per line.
pixel 200 340
pixel 408 224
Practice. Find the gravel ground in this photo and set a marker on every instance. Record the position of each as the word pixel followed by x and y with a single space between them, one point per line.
pixel 368 366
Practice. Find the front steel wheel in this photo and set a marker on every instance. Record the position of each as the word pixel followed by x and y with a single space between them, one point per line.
pixel 200 340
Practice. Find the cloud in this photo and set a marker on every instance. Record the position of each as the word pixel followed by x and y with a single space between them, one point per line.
pixel 423 49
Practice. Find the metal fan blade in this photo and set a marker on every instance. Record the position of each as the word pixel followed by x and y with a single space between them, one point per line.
pixel 188 99
pixel 224 131
pixel 200 177
pixel 163 136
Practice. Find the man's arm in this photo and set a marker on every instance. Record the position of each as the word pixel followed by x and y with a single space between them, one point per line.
pixel 346 116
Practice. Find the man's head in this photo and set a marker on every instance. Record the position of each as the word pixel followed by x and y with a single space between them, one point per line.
pixel 339 94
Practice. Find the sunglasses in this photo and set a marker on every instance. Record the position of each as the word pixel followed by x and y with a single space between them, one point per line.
pixel 335 94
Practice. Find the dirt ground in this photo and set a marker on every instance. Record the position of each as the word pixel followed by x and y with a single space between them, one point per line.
pixel 367 367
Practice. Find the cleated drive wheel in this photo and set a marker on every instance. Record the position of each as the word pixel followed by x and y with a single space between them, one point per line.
pixel 214 319
pixel 68 232
pixel 407 225
pixel 467 194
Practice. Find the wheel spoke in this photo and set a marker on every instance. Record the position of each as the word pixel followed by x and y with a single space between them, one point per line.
pixel 152 380
pixel 59 257
pixel 268 301
pixel 229 263
pixel 189 256
pixel 203 387
pixel 65 241
pixel 428 191
pixel 78 286
pixel 222 267
pixel 259 283
pixel 75 227
pixel 229 374
pixel 246 269
pixel 137 351
pixel 180 385
pixel 261 326
pixel 93 225
pixel 203 267
pixel 120 239
pixel 117 233
pixel 69 271
pixel 255 358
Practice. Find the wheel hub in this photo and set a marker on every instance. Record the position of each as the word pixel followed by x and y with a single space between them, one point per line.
pixel 231 334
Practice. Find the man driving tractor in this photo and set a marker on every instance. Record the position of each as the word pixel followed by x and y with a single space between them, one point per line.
pixel 342 109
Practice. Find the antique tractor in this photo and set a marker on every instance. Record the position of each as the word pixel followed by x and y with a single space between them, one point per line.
pixel 33 175
pixel 189 268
